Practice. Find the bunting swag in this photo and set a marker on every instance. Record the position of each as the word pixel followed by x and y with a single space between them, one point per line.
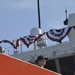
pixel 58 35
pixel 16 43
pixel 7 41
pixel 53 34
pixel 27 40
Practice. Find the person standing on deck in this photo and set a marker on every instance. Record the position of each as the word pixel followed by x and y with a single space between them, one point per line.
pixel 41 61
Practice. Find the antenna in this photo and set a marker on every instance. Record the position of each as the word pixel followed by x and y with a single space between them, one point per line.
pixel 66 12
pixel 66 20
pixel 39 22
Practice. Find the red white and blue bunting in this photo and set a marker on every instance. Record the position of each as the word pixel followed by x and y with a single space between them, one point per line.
pixel 7 41
pixel 58 35
pixel 15 43
pixel 27 40
pixel 53 34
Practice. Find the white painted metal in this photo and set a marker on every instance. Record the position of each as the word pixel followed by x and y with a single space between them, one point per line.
pixel 72 32
pixel 42 41
pixel 35 31
pixel 52 52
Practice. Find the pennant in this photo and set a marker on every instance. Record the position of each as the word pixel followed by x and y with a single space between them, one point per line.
pixel 58 35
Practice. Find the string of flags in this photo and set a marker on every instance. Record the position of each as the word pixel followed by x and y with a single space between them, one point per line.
pixel 53 34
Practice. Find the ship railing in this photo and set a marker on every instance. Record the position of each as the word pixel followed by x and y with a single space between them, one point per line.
pixel 22 48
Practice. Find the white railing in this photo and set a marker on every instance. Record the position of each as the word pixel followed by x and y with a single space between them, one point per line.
pixel 22 48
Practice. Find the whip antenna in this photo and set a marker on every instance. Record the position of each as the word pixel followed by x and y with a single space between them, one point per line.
pixel 66 20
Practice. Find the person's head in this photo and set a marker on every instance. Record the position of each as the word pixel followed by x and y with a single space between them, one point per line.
pixel 41 61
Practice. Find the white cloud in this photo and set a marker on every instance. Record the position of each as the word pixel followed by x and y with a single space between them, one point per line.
pixel 17 4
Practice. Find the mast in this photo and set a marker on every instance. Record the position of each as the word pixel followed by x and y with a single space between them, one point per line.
pixel 39 21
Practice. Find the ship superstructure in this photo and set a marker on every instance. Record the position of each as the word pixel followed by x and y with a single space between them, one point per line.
pixel 61 57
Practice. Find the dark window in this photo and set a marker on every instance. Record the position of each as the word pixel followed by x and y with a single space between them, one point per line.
pixel 51 65
pixel 67 65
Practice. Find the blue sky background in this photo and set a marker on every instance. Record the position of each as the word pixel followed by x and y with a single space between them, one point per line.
pixel 18 17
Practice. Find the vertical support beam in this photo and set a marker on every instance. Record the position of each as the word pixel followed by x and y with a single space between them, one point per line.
pixel 71 22
pixel 57 65
pixel 21 46
pixel 35 45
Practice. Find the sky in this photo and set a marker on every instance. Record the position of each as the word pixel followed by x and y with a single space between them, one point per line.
pixel 18 17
